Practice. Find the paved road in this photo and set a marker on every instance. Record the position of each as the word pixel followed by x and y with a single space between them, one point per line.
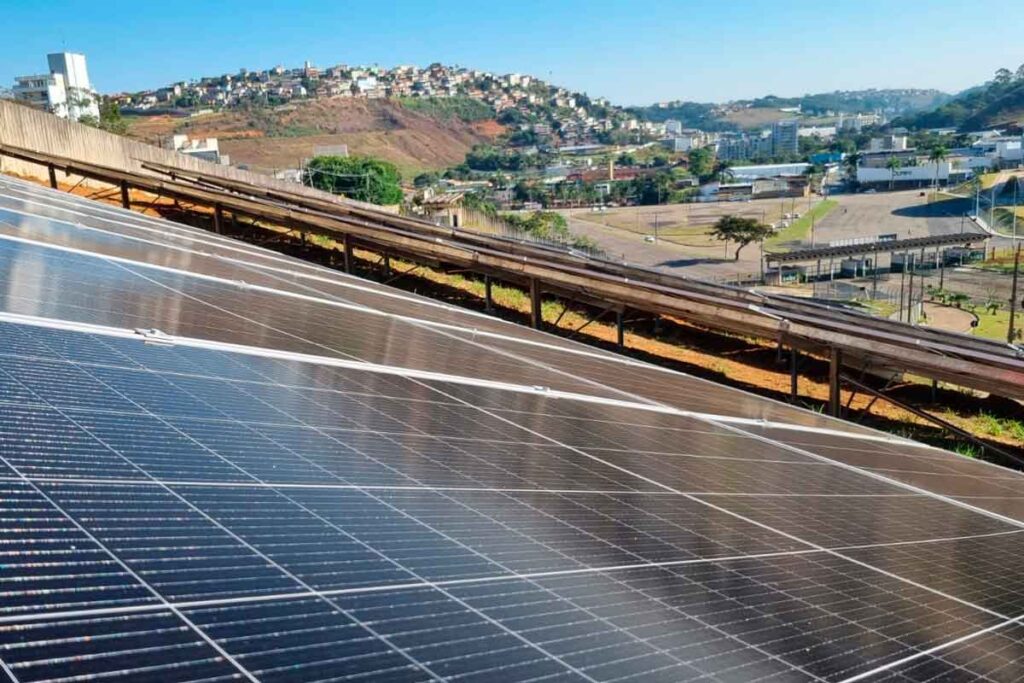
pixel 697 262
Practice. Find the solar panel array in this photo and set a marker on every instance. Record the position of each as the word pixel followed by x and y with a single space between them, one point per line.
pixel 309 477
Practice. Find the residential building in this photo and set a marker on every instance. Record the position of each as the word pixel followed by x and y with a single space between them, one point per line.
pixel 894 143
pixel 65 92
pixel 740 147
pixel 45 91
pixel 785 138
pixel 207 149
pixel 820 132
pixel 82 99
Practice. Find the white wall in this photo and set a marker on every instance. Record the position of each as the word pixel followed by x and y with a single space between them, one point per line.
pixel 924 172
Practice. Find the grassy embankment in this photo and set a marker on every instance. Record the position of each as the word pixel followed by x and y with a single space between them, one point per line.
pixel 800 229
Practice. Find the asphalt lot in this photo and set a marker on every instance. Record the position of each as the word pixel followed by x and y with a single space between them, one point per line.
pixel 685 251
pixel 906 214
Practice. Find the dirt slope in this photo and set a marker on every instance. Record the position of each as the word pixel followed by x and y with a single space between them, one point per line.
pixel 278 138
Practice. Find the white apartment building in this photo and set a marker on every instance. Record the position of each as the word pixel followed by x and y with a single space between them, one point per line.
pixel 45 91
pixel 65 92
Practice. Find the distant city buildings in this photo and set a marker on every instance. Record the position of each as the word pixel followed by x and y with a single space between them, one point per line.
pixel 65 91
pixel 554 116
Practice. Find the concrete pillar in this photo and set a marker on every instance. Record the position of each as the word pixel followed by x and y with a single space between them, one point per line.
pixel 488 294
pixel 620 329
pixel 126 199
pixel 53 176
pixel 218 219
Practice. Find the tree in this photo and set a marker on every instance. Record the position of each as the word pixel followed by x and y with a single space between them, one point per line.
pixel 111 119
pixel 701 163
pixel 1003 76
pixel 361 178
pixel 937 155
pixel 892 163
pixel 852 161
pixel 741 230
pixel 425 180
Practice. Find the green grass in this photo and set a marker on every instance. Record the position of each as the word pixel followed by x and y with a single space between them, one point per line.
pixel 994 326
pixel 968 450
pixel 447 108
pixel 880 309
pixel 800 229
pixel 1002 220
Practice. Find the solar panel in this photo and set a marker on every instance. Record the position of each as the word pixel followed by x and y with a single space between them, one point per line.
pixel 400 502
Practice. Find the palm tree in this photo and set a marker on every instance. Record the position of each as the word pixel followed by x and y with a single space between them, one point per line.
pixel 892 163
pixel 852 162
pixel 938 154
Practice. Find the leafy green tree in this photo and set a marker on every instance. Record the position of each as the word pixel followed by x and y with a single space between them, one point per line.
pixel 425 180
pixel 701 163
pixel 626 159
pixel 741 230
pixel 111 119
pixel 361 178
pixel 511 117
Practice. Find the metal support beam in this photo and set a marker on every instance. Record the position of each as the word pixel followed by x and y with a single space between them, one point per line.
pixel 535 312
pixel 834 398
pixel 953 429
pixel 126 199
pixel 592 319
pixel 53 175
pixel 794 360
pixel 386 260
pixel 488 294
pixel 218 219
pixel 349 260
pixel 620 329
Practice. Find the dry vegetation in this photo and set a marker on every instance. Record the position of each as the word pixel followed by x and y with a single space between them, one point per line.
pixel 277 138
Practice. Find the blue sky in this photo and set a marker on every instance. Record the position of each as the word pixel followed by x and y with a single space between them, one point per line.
pixel 632 52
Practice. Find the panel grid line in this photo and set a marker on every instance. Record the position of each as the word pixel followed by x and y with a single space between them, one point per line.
pixel 739 516
pixel 304 584
pixel 142 582
pixel 450 583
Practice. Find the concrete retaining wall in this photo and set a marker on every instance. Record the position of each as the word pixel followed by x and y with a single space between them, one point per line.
pixel 42 132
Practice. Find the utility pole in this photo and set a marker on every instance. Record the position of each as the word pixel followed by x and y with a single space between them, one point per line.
pixel 1016 184
pixel 910 292
pixel 1011 331
pixel 903 279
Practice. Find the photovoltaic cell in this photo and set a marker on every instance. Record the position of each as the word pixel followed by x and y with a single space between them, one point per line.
pixel 179 513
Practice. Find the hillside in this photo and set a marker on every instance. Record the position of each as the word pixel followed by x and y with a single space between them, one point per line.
pixel 765 110
pixel 996 104
pixel 281 137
